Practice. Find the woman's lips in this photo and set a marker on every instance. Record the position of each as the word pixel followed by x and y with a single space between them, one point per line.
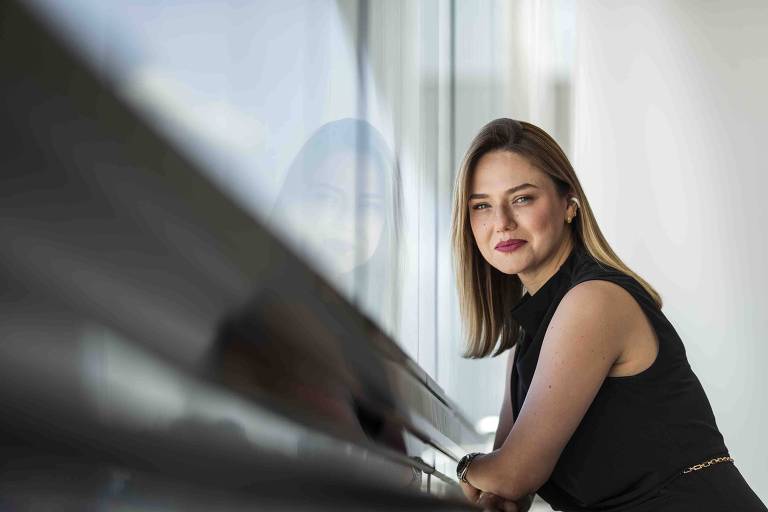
pixel 509 245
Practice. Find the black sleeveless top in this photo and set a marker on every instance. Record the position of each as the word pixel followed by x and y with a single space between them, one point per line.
pixel 640 431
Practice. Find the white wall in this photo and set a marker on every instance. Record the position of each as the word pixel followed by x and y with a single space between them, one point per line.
pixel 670 113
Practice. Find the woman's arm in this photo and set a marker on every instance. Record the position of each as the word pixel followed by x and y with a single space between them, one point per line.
pixel 585 337
pixel 506 420
pixel 506 417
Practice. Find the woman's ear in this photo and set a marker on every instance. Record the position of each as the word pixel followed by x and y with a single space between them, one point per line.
pixel 572 208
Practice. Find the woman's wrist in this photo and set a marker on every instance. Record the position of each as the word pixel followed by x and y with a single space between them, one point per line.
pixel 463 466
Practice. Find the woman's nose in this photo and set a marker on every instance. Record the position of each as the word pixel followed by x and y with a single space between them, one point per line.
pixel 503 218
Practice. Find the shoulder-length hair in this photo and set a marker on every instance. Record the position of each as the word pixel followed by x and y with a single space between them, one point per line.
pixel 487 295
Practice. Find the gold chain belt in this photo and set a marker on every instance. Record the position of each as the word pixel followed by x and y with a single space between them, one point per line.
pixel 707 464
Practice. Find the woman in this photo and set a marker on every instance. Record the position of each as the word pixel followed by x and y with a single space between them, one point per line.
pixel 339 205
pixel 602 411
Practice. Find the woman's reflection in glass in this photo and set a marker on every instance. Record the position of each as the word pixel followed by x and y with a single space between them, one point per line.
pixel 339 206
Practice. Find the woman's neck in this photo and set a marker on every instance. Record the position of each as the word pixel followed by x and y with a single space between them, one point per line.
pixel 548 269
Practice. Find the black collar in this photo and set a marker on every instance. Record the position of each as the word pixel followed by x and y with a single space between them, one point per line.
pixel 531 309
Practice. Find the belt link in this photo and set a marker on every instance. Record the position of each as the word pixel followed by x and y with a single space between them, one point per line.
pixel 707 464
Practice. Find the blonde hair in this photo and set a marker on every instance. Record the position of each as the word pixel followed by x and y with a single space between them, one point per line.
pixel 487 295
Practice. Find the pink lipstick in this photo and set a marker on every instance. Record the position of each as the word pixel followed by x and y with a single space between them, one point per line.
pixel 509 245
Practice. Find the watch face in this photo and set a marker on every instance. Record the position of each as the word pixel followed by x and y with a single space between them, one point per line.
pixel 461 465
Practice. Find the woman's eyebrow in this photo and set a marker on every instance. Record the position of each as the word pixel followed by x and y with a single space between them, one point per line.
pixel 508 191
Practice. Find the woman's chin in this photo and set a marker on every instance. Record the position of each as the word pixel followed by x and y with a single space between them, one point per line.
pixel 508 265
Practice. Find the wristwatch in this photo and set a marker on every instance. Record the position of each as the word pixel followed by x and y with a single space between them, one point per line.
pixel 463 466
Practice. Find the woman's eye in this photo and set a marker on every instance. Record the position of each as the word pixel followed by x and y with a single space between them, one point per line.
pixel 522 200
pixel 481 206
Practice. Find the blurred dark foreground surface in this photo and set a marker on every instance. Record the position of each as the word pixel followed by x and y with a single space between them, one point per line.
pixel 159 349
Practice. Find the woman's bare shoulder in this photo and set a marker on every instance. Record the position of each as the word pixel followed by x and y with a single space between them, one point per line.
pixel 604 310
pixel 602 300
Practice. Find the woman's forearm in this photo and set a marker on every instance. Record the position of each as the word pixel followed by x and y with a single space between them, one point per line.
pixel 496 474
pixel 506 417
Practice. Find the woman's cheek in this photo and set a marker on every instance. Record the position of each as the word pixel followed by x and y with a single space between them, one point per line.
pixel 478 227
pixel 536 219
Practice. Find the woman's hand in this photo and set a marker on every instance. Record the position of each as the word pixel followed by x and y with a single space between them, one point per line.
pixel 470 492
pixel 524 503
pixel 492 502
pixel 496 504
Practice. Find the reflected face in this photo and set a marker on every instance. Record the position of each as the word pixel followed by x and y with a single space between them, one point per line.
pixel 511 200
pixel 342 211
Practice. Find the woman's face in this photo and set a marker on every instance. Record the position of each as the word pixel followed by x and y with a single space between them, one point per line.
pixel 512 200
pixel 342 211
